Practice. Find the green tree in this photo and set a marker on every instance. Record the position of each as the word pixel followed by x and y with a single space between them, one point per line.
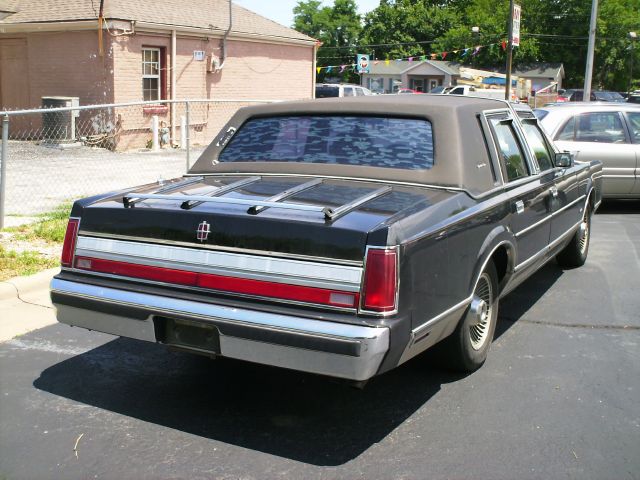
pixel 404 28
pixel 338 27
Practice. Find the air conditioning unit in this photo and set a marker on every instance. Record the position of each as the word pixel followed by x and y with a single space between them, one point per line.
pixel 60 126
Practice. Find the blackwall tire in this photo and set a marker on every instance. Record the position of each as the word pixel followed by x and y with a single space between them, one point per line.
pixel 575 253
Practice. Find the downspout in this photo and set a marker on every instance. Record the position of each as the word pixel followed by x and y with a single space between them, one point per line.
pixel 100 23
pixel 315 71
pixel 173 85
pixel 224 38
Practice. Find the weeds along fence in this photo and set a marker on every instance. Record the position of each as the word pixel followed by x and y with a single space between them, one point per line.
pixel 51 156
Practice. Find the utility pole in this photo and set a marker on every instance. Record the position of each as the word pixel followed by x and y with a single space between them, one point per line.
pixel 507 86
pixel 633 36
pixel 592 43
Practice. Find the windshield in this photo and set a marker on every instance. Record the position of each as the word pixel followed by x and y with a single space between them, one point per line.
pixel 347 140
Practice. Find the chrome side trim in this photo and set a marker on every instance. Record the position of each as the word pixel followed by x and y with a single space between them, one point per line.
pixel 264 253
pixel 549 247
pixel 217 262
pixel 374 341
pixel 417 333
pixel 548 217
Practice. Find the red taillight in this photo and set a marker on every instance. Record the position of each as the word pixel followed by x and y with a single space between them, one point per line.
pixel 380 280
pixel 69 245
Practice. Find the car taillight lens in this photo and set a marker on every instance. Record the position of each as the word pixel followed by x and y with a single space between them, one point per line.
pixel 380 280
pixel 69 244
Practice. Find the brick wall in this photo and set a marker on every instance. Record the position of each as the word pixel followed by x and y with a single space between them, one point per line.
pixel 252 71
pixel 53 64
pixel 65 64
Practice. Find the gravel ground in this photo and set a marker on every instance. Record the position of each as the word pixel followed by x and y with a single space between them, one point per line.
pixel 39 178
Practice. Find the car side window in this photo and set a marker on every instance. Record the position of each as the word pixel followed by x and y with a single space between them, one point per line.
pixel 538 143
pixel 457 91
pixel 510 150
pixel 359 92
pixel 567 132
pixel 634 124
pixel 601 127
pixel 348 91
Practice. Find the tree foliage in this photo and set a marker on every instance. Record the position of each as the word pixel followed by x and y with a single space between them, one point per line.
pixel 338 28
pixel 553 31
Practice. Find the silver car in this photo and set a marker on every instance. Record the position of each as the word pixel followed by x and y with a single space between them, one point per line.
pixel 609 132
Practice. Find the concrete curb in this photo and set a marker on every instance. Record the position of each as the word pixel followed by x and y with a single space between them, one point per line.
pixel 9 288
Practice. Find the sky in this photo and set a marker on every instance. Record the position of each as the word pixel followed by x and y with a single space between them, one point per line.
pixel 282 10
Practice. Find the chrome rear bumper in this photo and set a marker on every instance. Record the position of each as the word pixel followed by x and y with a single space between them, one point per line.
pixel 340 350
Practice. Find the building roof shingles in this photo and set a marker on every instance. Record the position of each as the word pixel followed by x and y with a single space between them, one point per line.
pixel 203 14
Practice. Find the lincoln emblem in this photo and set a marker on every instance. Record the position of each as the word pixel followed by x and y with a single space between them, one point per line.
pixel 203 231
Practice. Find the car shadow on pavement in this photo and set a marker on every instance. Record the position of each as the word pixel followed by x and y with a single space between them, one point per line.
pixel 619 206
pixel 518 302
pixel 298 416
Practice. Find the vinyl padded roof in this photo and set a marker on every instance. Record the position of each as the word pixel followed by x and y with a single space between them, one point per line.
pixel 461 159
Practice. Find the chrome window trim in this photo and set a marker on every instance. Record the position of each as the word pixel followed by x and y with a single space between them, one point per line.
pixel 361 309
pixel 493 149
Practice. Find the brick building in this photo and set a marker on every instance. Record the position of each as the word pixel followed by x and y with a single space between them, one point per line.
pixel 148 50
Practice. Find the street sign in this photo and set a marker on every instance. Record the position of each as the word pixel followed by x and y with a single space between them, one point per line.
pixel 515 36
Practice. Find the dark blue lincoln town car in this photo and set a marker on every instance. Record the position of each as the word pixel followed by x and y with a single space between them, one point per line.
pixel 340 236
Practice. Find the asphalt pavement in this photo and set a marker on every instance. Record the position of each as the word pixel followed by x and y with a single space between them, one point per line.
pixel 558 397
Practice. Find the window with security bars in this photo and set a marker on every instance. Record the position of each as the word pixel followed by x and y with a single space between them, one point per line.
pixel 151 74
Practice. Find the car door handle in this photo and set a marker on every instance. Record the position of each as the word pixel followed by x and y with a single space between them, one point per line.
pixel 554 192
pixel 519 206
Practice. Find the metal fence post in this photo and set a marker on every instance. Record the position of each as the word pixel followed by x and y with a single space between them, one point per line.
pixel 4 158
pixel 188 135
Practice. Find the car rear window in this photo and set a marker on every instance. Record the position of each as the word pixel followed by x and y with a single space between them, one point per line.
pixel 540 113
pixel 327 92
pixel 347 140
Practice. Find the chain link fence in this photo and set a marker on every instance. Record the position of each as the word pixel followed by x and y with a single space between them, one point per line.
pixel 55 155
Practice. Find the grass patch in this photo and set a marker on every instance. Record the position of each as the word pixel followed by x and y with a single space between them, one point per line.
pixel 13 264
pixel 50 227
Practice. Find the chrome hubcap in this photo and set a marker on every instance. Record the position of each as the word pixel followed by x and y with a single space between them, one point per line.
pixel 584 234
pixel 480 312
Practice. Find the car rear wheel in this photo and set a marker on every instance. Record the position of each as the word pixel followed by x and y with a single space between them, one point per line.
pixel 467 347
pixel 575 253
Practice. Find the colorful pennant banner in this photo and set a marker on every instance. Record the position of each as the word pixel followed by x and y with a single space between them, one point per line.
pixel 462 52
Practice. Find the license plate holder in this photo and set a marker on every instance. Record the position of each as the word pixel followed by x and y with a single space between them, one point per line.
pixel 191 334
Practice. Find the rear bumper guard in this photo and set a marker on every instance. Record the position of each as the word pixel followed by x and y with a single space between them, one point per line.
pixel 353 352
